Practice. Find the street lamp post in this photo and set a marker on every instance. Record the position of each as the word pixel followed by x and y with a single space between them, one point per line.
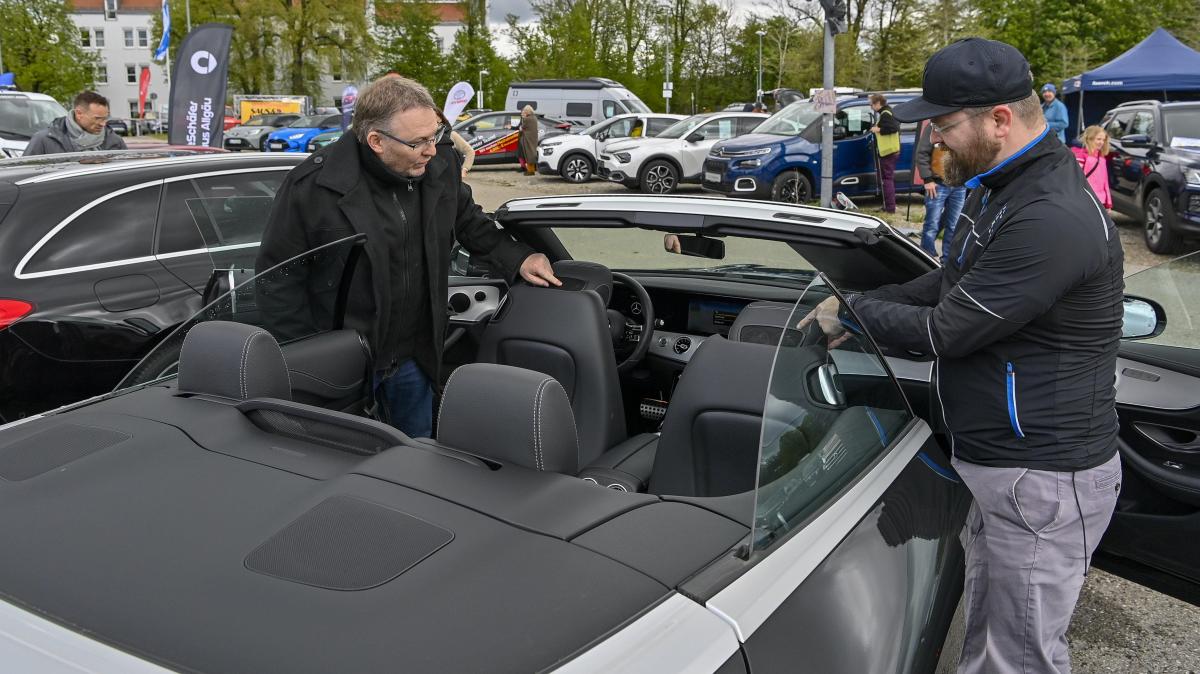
pixel 479 94
pixel 758 96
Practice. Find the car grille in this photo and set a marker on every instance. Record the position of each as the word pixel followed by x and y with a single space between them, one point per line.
pixel 1194 203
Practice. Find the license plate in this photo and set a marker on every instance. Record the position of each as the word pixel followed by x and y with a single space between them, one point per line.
pixel 710 177
pixel 277 145
pixel 235 141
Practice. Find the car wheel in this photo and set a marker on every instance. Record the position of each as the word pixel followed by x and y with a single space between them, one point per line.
pixel 659 177
pixel 792 187
pixel 576 169
pixel 1159 216
pixel 262 144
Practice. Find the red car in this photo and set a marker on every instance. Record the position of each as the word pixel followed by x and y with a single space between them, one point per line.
pixel 231 119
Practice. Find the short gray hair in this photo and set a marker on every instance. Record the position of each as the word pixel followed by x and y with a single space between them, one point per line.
pixel 385 97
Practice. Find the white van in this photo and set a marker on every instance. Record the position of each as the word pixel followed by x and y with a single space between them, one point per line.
pixel 22 114
pixel 584 101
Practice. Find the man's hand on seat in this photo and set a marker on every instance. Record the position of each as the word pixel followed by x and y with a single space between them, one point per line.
pixel 536 270
pixel 826 316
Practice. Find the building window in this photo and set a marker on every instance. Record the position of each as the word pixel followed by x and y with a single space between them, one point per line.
pixel 441 43
pixel 99 40
pixel 128 37
pixel 143 35
pixel 110 9
pixel 101 74
pixel 133 108
pixel 130 73
pixel 85 37
pixel 338 66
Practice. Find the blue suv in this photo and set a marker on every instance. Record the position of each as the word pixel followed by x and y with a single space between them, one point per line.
pixel 781 160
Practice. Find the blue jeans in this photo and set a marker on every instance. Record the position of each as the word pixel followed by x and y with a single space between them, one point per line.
pixel 405 399
pixel 941 212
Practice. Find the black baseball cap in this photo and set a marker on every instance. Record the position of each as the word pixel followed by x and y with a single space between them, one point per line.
pixel 970 73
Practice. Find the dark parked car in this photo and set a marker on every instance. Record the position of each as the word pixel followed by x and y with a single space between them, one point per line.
pixel 705 488
pixel 253 134
pixel 1154 168
pixel 105 253
pixel 494 134
pixel 781 160
pixel 119 126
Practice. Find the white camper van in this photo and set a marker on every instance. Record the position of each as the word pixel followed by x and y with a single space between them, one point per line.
pixel 585 102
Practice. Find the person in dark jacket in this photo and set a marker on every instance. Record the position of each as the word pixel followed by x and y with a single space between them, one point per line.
pixel 397 178
pixel 1024 324
pixel 528 140
pixel 887 145
pixel 943 202
pixel 84 129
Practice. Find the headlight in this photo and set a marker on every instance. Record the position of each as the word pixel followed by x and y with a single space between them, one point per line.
pixel 295 136
pixel 1192 176
pixel 547 151
pixel 552 144
pixel 622 157
pixel 749 163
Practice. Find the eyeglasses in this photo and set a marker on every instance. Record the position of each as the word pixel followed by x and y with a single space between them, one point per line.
pixel 941 130
pixel 419 144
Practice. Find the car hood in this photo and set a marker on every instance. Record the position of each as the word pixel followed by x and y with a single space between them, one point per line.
pixel 635 143
pixel 249 130
pixel 283 134
pixel 755 141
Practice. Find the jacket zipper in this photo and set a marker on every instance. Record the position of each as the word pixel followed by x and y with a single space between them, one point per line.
pixel 1011 378
pixel 404 233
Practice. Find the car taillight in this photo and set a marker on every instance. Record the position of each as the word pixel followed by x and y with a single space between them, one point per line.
pixel 12 311
pixel 564 126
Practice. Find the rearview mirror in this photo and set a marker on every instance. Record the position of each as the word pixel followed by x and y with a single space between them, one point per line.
pixel 695 245
pixel 1143 318
pixel 695 137
pixel 471 130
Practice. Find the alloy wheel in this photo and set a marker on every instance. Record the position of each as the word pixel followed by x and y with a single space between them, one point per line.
pixel 660 179
pixel 1154 220
pixel 577 169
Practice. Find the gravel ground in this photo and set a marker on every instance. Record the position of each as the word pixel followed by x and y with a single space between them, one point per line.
pixel 1118 626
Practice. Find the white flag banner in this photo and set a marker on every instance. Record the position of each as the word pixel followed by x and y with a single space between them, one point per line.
pixel 456 101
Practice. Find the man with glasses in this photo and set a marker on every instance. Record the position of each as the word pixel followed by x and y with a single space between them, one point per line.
pixel 398 179
pixel 1023 324
pixel 84 129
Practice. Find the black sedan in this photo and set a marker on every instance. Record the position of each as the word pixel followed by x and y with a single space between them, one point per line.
pixel 647 470
pixel 105 253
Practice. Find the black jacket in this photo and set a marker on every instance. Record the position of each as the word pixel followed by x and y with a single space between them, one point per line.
pixel 55 139
pixel 923 155
pixel 327 198
pixel 1024 320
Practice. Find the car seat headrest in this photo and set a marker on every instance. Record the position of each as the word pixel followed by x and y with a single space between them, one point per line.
pixel 580 275
pixel 233 360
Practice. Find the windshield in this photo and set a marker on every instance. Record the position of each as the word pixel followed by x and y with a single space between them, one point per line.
pixel 678 129
pixel 312 122
pixel 638 249
pixel 791 120
pixel 1183 127
pixel 295 299
pixel 1175 285
pixel 635 105
pixel 21 117
pixel 260 120
pixel 832 411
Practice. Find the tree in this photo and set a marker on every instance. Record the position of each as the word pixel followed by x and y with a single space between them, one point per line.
pixel 41 48
pixel 407 44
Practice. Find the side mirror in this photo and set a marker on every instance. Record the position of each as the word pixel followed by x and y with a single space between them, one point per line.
pixel 602 136
pixel 695 137
pixel 839 132
pixel 470 130
pixel 1137 140
pixel 1143 318
pixel 695 245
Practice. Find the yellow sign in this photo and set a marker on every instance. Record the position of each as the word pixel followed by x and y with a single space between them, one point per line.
pixel 270 107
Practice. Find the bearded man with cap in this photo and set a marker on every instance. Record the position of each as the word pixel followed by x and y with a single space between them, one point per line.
pixel 1023 322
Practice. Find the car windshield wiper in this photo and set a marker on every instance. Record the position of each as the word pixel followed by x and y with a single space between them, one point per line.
pixel 14 135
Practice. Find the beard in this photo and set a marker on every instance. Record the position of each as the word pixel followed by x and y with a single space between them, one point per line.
pixel 968 161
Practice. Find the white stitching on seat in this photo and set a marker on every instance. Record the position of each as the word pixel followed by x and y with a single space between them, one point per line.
pixel 538 459
pixel 242 365
pixel 445 395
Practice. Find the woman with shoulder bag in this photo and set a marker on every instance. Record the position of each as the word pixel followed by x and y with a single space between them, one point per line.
pixel 1093 160
pixel 887 141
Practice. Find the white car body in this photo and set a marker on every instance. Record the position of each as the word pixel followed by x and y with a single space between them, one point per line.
pixel 658 165
pixel 582 150
pixel 23 113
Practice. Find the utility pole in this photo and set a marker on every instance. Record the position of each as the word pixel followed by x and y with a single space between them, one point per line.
pixel 667 82
pixel 187 10
pixel 759 92
pixel 835 22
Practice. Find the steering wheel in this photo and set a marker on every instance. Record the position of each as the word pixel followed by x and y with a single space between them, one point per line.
pixel 624 329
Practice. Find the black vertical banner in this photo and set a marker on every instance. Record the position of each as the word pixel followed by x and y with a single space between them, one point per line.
pixel 198 86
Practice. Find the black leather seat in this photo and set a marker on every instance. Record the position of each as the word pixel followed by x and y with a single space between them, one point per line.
pixel 763 323
pixel 509 414
pixel 233 360
pixel 564 333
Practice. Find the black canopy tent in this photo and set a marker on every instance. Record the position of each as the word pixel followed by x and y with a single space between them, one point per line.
pixel 1159 67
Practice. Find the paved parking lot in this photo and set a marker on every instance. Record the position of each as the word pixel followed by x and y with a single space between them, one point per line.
pixel 1118 626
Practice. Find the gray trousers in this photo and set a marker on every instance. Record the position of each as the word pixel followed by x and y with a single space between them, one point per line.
pixel 1026 555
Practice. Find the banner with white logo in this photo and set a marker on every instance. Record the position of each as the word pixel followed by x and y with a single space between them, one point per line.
pixel 198 86
pixel 349 96
pixel 456 101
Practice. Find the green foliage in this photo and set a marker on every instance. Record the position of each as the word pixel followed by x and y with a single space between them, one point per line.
pixel 407 44
pixel 40 46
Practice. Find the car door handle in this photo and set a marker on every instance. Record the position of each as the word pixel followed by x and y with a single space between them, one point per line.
pixel 1175 439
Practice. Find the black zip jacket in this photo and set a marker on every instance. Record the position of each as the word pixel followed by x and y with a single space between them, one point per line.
pixel 1024 320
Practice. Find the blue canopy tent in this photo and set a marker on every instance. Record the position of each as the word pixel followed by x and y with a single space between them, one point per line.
pixel 1159 67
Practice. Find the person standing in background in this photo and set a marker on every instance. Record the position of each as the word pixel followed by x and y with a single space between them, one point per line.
pixel 943 203
pixel 527 140
pixel 1093 160
pixel 1055 112
pixel 84 129
pixel 887 142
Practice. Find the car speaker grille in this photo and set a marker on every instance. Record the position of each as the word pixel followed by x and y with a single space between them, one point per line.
pixel 54 447
pixel 346 543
